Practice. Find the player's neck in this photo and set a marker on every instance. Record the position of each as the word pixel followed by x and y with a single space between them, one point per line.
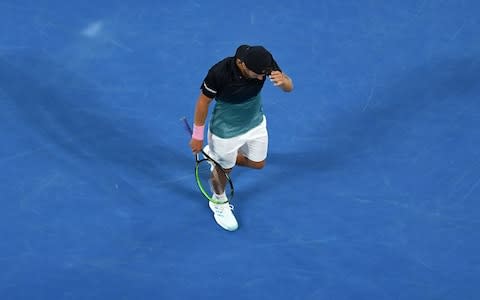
pixel 241 68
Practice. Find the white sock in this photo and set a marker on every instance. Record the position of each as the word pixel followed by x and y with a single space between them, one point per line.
pixel 220 197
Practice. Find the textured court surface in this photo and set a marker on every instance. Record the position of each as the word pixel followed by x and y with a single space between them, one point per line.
pixel 372 186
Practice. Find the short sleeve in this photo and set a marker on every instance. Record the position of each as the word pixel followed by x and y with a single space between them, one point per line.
pixel 210 85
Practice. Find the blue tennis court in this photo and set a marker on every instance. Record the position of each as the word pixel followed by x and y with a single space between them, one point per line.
pixel 372 184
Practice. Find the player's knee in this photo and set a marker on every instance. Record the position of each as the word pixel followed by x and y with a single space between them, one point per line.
pixel 258 164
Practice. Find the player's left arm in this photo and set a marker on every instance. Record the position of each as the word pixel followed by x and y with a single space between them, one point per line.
pixel 281 80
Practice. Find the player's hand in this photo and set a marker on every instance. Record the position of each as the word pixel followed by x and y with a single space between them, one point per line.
pixel 277 78
pixel 196 145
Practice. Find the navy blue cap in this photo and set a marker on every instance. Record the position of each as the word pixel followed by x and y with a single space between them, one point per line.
pixel 256 58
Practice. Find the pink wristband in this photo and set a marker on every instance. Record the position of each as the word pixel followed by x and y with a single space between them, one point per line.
pixel 198 132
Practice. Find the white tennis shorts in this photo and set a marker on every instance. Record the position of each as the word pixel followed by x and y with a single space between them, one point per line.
pixel 253 144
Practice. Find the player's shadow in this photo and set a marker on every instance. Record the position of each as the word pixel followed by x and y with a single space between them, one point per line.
pixel 412 92
pixel 65 111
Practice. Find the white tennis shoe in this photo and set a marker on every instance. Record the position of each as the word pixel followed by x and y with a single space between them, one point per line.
pixel 224 216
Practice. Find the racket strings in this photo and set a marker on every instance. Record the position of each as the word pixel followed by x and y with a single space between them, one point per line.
pixel 212 180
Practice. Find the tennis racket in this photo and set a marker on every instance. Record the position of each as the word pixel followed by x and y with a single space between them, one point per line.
pixel 209 175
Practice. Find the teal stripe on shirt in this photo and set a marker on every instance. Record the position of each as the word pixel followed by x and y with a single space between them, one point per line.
pixel 230 120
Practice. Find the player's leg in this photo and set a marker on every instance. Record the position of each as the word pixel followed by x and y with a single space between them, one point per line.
pixel 244 161
pixel 224 151
pixel 253 153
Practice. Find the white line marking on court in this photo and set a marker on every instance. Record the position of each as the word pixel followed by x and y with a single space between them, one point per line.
pixel 472 188
pixel 372 92
pixel 459 30
pixel 120 45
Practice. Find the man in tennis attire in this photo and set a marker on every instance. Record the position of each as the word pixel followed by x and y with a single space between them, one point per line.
pixel 237 132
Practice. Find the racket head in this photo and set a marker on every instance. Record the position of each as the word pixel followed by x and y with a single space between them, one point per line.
pixel 204 170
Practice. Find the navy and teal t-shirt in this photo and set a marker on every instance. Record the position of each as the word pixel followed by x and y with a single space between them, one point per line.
pixel 238 106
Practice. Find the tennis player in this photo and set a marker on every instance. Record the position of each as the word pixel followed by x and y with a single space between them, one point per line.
pixel 237 132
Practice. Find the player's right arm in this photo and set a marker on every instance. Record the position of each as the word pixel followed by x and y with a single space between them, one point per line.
pixel 201 112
